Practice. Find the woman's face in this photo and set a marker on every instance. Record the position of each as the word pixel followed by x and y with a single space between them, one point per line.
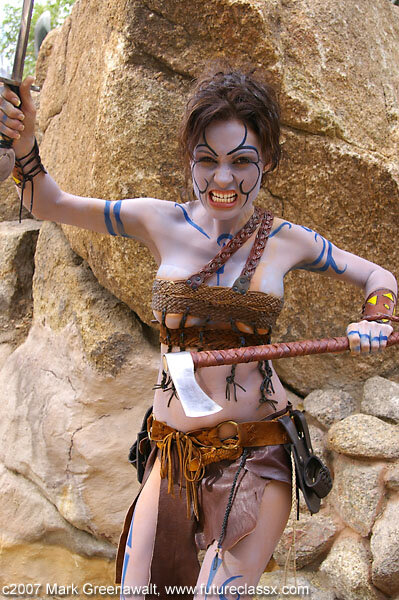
pixel 227 168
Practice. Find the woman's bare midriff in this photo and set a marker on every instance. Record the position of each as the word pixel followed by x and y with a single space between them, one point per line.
pixel 213 382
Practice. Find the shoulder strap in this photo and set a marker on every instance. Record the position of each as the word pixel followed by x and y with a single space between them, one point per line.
pixel 233 245
pixel 242 282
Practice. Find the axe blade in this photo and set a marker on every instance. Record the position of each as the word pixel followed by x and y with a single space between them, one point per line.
pixel 194 400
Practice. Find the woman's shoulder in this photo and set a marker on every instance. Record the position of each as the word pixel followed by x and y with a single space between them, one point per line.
pixel 283 229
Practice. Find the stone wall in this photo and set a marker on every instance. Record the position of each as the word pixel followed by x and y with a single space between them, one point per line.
pixel 77 353
pixel 350 549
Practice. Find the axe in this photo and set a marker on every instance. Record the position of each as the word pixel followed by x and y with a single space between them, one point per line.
pixel 7 155
pixel 182 365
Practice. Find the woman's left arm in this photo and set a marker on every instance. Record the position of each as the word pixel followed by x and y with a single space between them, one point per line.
pixel 312 252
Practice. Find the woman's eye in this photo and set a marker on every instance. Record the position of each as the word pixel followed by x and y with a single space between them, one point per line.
pixel 206 159
pixel 243 160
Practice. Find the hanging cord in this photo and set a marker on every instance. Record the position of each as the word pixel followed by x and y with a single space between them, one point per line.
pixel 202 333
pixel 26 168
pixel 228 507
pixel 295 516
pixel 183 320
pixel 230 379
pixel 166 383
pixel 266 387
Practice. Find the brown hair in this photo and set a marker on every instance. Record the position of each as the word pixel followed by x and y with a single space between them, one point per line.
pixel 227 93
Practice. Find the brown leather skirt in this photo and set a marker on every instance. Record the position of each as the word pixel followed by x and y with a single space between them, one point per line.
pixel 178 539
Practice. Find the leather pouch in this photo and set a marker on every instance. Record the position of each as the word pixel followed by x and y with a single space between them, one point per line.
pixel 140 451
pixel 313 477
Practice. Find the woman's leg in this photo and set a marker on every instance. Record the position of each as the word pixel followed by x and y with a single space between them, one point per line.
pixel 140 542
pixel 245 562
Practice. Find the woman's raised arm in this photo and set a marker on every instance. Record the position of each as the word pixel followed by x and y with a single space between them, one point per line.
pixel 135 218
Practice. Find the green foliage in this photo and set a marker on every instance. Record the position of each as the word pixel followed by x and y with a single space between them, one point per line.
pixel 59 10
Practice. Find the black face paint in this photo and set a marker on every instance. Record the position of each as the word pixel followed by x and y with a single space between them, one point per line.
pixel 195 162
pixel 242 146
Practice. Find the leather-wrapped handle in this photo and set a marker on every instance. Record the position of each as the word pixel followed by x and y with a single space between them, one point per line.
pixel 234 356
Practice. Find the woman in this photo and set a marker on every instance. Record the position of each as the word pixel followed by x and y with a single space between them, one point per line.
pixel 235 501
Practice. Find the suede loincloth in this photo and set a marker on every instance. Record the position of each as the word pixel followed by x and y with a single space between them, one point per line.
pixel 178 539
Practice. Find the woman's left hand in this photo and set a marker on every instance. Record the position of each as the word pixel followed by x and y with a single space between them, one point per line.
pixel 368 336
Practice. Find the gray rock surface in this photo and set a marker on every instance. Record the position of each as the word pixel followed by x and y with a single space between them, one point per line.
pixel 381 398
pixel 348 569
pixel 319 442
pixel 314 535
pixel 384 545
pixel 308 584
pixel 358 492
pixel 391 477
pixel 364 436
pixel 329 406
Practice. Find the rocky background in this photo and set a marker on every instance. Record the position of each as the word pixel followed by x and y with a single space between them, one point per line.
pixel 78 356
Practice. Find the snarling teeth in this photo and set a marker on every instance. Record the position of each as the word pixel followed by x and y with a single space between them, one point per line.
pixel 216 197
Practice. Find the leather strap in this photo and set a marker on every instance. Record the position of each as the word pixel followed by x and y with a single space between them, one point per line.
pixel 266 220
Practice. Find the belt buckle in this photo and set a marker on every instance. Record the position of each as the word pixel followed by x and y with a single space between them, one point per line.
pixel 234 443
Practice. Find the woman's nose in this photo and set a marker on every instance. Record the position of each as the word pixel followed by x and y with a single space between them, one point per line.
pixel 223 175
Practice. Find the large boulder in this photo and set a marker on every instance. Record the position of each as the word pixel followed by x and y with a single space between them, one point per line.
pixel 358 492
pixel 364 436
pixel 112 101
pixel 72 398
pixel 384 545
pixel 381 399
pixel 348 568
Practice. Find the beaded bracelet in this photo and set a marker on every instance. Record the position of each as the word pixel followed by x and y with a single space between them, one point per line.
pixel 26 168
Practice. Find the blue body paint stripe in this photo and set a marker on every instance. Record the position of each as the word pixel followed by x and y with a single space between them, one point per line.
pixel 212 573
pixel 225 583
pixel 125 563
pixel 108 221
pixel 192 222
pixel 275 232
pixel 119 224
pixel 353 333
pixel 318 259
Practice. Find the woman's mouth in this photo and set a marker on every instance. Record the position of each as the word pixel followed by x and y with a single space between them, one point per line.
pixel 223 199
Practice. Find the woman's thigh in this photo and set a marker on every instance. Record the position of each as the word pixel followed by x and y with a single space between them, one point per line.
pixel 140 542
pixel 245 562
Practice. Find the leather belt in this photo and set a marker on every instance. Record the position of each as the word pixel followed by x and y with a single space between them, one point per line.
pixel 213 447
pixel 200 447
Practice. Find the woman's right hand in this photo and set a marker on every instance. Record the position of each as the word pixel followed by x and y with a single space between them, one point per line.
pixel 17 119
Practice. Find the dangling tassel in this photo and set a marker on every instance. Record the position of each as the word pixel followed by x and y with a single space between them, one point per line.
pixel 294 503
pixel 230 379
pixel 166 383
pixel 266 387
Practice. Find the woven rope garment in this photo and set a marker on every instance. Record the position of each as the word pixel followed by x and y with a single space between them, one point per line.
pixel 218 303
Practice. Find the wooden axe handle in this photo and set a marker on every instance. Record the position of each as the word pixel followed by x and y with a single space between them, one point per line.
pixel 233 356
